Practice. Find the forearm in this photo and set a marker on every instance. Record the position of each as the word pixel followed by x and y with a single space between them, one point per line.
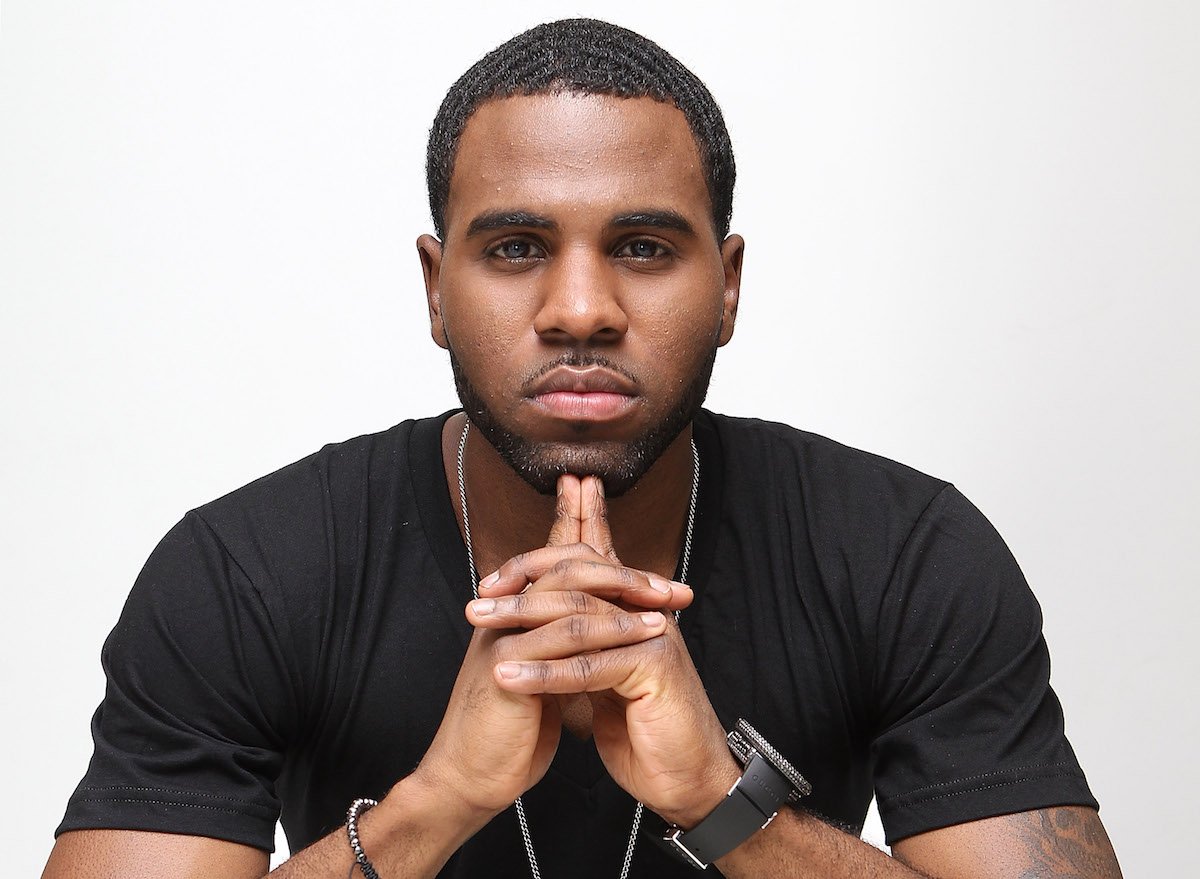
pixel 1066 842
pixel 412 832
pixel 798 846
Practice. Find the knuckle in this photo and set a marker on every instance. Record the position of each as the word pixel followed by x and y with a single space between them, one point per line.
pixel 577 628
pixel 580 601
pixel 656 646
pixel 500 650
pixel 583 666
pixel 624 623
pixel 562 567
pixel 582 551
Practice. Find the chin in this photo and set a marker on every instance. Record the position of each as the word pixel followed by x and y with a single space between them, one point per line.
pixel 618 464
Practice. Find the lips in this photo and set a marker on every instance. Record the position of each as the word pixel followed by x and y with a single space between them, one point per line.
pixel 583 380
pixel 584 394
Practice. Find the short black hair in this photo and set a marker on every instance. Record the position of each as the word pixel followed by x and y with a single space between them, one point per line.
pixel 591 57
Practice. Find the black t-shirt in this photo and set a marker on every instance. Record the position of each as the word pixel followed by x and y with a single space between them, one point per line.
pixel 292 646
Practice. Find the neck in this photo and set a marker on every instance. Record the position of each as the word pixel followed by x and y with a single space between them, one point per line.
pixel 509 517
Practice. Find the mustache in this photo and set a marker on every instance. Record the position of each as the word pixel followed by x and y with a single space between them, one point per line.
pixel 579 360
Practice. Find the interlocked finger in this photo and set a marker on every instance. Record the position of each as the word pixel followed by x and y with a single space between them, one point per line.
pixel 516 574
pixel 593 518
pixel 532 609
pixel 622 669
pixel 613 582
pixel 579 635
pixel 567 512
pixel 580 568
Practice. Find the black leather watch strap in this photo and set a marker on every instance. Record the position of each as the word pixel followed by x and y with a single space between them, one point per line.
pixel 763 785
pixel 749 806
pixel 767 782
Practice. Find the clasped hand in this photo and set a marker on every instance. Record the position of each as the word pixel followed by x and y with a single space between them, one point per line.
pixel 567 619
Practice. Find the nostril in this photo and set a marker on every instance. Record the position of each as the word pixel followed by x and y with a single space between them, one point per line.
pixel 582 317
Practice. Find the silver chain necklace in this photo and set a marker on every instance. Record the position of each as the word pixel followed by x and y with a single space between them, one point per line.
pixel 683 573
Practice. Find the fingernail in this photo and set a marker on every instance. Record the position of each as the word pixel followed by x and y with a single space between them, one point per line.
pixel 490 580
pixel 651 618
pixel 509 670
pixel 658 584
pixel 483 606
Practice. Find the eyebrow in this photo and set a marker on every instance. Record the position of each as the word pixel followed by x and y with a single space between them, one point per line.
pixel 657 219
pixel 493 220
pixel 664 219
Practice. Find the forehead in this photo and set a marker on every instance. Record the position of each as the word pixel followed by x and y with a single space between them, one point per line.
pixel 567 153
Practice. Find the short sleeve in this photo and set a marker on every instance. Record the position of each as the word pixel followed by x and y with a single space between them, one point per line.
pixel 968 726
pixel 190 736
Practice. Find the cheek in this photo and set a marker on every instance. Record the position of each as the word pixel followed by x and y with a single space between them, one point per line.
pixel 479 317
pixel 681 330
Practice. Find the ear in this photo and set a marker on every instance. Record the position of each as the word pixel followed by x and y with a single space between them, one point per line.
pixel 732 249
pixel 430 251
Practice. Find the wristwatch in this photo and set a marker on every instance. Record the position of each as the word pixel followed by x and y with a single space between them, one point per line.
pixel 768 781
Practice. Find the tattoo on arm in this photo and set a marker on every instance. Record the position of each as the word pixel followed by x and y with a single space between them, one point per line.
pixel 1064 843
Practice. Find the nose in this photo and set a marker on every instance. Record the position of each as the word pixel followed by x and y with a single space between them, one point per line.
pixel 580 300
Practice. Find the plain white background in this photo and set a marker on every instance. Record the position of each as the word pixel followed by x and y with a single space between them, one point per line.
pixel 973 245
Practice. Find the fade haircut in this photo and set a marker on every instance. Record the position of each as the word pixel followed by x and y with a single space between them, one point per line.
pixel 583 56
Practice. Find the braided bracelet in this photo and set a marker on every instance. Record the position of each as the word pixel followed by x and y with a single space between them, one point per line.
pixel 357 808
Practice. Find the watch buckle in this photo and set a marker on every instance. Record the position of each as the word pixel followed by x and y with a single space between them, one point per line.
pixel 672 836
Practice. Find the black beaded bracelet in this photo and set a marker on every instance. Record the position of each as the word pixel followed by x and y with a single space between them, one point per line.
pixel 357 808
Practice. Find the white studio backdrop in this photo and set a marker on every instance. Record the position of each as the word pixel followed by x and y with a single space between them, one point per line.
pixel 972 235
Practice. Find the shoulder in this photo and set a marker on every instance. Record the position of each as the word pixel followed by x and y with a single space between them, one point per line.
pixel 835 484
pixel 299 528
pixel 335 466
pixel 283 552
pixel 339 481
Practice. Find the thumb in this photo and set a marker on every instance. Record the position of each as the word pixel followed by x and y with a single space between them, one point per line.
pixel 565 529
pixel 593 518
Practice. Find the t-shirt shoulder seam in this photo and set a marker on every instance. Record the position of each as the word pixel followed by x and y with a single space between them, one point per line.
pixel 891 579
pixel 208 526
pixel 268 604
pixel 917 520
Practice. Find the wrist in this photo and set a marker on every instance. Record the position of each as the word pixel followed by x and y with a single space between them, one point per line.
pixel 766 783
pixel 718 781
pixel 423 804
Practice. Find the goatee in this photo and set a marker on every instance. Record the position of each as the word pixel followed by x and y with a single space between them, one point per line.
pixel 619 465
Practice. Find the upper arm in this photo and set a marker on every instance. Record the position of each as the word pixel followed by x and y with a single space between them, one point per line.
pixel 1064 841
pixel 968 725
pixel 137 854
pixel 198 708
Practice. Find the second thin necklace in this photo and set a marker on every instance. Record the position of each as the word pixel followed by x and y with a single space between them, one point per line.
pixel 683 574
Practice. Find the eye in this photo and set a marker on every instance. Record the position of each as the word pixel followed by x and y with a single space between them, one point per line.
pixel 516 250
pixel 643 249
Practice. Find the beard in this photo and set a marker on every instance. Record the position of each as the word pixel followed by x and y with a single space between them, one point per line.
pixel 618 464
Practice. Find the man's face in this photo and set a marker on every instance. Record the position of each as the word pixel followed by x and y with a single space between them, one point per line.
pixel 581 289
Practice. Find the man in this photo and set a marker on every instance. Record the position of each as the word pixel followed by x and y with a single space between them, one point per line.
pixel 301 644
